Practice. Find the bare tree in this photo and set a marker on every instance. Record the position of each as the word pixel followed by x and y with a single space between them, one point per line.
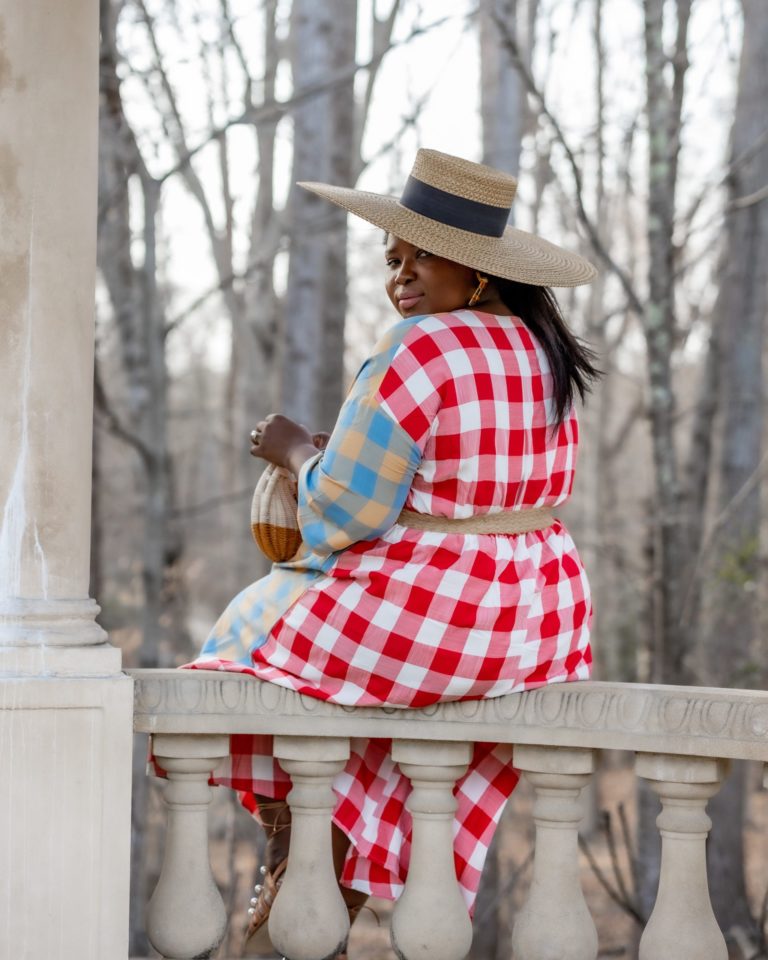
pixel 327 144
pixel 139 318
pixel 503 96
pixel 322 41
pixel 739 318
pixel 664 113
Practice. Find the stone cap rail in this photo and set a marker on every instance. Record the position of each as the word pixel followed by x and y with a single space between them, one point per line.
pixel 646 718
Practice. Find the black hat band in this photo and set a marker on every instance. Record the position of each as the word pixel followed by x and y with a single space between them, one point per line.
pixel 453 211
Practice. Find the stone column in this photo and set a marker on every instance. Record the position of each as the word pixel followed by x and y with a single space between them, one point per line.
pixel 555 920
pixel 310 899
pixel 65 708
pixel 682 924
pixel 430 921
pixel 48 194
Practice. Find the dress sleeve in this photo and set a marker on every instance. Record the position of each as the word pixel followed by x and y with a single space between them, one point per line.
pixel 355 489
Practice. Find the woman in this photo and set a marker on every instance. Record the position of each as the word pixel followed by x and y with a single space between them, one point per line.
pixel 462 417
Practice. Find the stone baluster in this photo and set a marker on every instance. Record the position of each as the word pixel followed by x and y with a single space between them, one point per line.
pixel 555 923
pixel 309 919
pixel 186 916
pixel 682 924
pixel 430 920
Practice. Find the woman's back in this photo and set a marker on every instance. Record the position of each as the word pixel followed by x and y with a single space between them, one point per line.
pixel 450 413
pixel 476 390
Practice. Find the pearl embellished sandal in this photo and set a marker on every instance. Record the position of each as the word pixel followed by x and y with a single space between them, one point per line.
pixel 261 904
pixel 276 820
pixel 275 817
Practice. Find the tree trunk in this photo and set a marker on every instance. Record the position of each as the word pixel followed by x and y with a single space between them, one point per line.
pixel 322 39
pixel 141 327
pixel 670 545
pixel 502 91
pixel 664 113
pixel 253 381
pixel 598 482
pixel 740 316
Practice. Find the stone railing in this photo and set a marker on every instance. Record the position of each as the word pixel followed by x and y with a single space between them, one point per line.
pixel 683 738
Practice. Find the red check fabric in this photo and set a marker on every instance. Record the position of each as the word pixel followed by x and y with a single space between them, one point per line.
pixel 451 416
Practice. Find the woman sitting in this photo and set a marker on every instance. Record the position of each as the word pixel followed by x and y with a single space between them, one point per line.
pixel 432 567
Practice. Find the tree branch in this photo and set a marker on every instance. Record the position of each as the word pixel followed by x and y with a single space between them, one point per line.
pixel 225 282
pixel 511 44
pixel 112 421
pixel 195 509
pixel 605 883
pixel 751 199
pixel 272 111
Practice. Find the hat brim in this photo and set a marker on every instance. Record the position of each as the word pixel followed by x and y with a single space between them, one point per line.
pixel 516 255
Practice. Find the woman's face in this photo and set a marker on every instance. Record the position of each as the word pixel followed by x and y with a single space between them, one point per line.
pixel 421 282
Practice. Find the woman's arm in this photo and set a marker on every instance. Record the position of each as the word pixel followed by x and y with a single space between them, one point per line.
pixel 357 488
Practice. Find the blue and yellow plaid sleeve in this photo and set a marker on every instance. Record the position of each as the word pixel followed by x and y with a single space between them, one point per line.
pixel 355 489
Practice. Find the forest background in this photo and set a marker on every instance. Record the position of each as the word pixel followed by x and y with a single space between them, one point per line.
pixel 639 132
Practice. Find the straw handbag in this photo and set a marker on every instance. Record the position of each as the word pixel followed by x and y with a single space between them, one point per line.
pixel 274 508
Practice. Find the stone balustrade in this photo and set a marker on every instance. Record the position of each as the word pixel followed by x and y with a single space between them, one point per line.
pixel 683 738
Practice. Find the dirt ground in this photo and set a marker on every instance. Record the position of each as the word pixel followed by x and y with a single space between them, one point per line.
pixel 233 842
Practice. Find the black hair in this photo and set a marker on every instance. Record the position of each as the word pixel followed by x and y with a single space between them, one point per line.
pixel 571 362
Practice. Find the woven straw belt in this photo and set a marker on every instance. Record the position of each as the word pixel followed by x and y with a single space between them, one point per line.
pixel 507 521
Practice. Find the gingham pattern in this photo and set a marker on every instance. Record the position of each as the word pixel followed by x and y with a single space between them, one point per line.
pixel 371 794
pixel 452 415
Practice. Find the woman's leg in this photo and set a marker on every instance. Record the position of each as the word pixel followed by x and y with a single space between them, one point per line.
pixel 275 816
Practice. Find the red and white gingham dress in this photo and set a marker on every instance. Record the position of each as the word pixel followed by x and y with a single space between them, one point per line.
pixel 451 416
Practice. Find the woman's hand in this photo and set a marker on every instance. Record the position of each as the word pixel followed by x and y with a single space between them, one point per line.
pixel 284 442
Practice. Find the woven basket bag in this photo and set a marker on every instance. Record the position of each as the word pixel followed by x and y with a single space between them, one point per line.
pixel 274 509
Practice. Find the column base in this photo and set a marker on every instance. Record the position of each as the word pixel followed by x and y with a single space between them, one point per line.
pixel 41 660
pixel 44 638
pixel 65 753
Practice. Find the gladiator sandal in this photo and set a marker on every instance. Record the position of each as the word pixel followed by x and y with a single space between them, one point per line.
pixel 275 817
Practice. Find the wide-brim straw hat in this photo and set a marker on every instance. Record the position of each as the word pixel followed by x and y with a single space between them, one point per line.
pixel 459 210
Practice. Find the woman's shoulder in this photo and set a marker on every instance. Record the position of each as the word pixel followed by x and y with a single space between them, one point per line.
pixel 426 326
pixel 461 330
pixel 411 341
pixel 440 341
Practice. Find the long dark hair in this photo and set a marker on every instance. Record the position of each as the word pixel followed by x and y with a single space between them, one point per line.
pixel 571 362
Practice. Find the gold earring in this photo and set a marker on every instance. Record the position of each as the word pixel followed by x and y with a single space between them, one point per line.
pixel 482 284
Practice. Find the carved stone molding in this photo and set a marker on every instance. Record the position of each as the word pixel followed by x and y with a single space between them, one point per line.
pixel 691 721
pixel 25 623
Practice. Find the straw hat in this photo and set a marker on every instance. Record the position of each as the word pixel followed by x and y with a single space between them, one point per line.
pixel 459 210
